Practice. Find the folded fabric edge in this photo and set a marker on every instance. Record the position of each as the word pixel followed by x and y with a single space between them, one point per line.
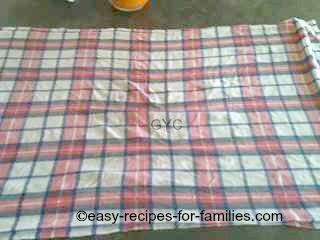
pixel 310 33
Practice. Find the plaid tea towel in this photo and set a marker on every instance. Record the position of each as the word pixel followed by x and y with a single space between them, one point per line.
pixel 193 121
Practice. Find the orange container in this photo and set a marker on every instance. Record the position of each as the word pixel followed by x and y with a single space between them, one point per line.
pixel 128 5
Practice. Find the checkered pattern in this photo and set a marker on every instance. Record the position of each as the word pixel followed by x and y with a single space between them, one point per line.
pixel 76 108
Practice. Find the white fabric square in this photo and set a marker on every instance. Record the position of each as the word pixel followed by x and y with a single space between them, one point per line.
pixel 214 93
pixel 263 58
pixel 181 134
pixel 114 164
pixel 104 53
pixel 241 131
pixel 7 223
pixel 38 184
pixel 111 179
pixel 221 131
pixel 268 80
pixel 96 119
pixel 49 63
pixel 229 163
pixel 71 35
pixel 114 96
pixel 233 92
pixel 118 85
pixel 161 161
pixel 256 30
pixel 277 48
pixel 44 86
pixel 54 121
pixel 211 62
pixel 66 62
pixel 317 176
pixel 271 29
pixel 175 64
pixel 228 82
pixel 157 35
pixel 20 34
pixel 95 133
pixel 297 161
pixel 14 186
pixel 256 178
pixel 279 117
pixel 157 87
pixel 177 54
pixel 88 180
pixel 179 119
pixel 31 136
pixel 104 85
pixel 60 95
pixel 210 52
pixel 252 162
pixel 7 34
pixel 288 90
pixel 303 177
pixel 298 116
pixel 91 164
pixel 158 55
pixel 224 31
pixel 233 179
pixel 157 98
pixel 217 118
pixel 115 132
pixel 20 169
pixel 121 34
pixel 54 35
pixel 156 133
pixel 4 97
pixel 15 53
pixel 121 63
pixel 262 49
pixel 43 168
pixel 12 63
pixel 208 32
pixel 303 130
pixel 7 85
pixel 175 97
pixel 185 178
pixel 175 86
pixel 238 118
pixel 41 96
pixel 34 122
pixel 161 178
pixel 174 34
pixel 279 58
pixel 53 54
pixel 116 118
pixel 68 53
pixel 121 54
pixel 28 222
pixel 271 91
pixel 227 51
pixel 313 160
pixel 284 130
pixel 228 60
pixel 52 135
pixel 183 162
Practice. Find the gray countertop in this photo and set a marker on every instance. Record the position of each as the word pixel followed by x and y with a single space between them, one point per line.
pixel 157 14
